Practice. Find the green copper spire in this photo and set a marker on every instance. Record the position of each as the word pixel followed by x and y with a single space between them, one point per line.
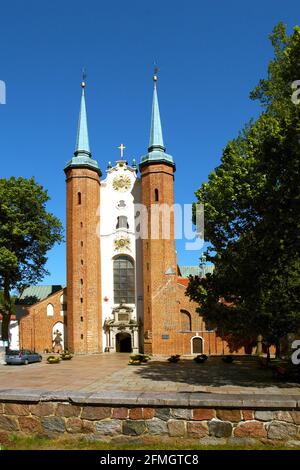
pixel 82 141
pixel 156 137
pixel 156 149
pixel 82 155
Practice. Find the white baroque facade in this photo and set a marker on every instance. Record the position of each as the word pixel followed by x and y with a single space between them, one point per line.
pixel 121 266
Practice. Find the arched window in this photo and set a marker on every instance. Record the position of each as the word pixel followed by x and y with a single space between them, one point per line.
pixel 79 198
pixel 156 198
pixel 122 222
pixel 50 310
pixel 186 320
pixel 124 280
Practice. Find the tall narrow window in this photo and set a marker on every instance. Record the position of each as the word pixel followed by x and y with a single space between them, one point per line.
pixel 124 280
pixel 156 195
pixel 79 198
pixel 122 222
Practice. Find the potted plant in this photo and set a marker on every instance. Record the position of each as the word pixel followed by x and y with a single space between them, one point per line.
pixel 174 358
pixel 137 359
pixel 228 359
pixel 53 359
pixel 66 356
pixel 201 358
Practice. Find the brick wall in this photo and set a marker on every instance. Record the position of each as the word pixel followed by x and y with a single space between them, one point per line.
pixel 161 317
pixel 36 328
pixel 83 261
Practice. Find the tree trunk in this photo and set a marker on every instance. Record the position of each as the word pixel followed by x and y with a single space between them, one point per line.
pixel 268 354
pixel 277 349
pixel 6 314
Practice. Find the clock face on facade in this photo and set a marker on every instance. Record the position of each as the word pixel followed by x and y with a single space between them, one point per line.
pixel 121 183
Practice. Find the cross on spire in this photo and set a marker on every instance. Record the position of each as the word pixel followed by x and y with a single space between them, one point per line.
pixel 122 148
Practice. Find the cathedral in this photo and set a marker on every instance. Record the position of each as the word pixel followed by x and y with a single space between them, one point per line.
pixel 125 291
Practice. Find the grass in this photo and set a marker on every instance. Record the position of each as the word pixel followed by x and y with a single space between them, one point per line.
pixel 14 442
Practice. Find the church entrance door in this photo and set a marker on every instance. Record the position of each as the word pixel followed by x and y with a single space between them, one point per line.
pixel 197 345
pixel 123 342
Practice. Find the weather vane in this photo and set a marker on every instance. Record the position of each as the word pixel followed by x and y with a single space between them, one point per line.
pixel 83 77
pixel 156 69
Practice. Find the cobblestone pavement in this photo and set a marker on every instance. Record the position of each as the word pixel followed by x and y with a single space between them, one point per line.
pixel 112 372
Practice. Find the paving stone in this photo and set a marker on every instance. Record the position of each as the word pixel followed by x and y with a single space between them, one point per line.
pixel 250 429
pixel 120 413
pixel 114 398
pixel 133 428
pixel 88 426
pixel 280 430
pixel 220 428
pixel 162 413
pixel 203 414
pixel 20 394
pixel 196 429
pixel 213 400
pixel 95 412
pixel 293 443
pixel 136 413
pixel 30 425
pixel 67 411
pixel 284 416
pixel 74 425
pixel 53 424
pixel 148 413
pixel 264 415
pixel 212 441
pixel 296 416
pixel 176 428
pixel 157 426
pixel 248 414
pixel 109 427
pixel 43 409
pixel 229 415
pixel 16 409
pixel 181 413
pixel 8 423
pixel 57 395
pixel 242 441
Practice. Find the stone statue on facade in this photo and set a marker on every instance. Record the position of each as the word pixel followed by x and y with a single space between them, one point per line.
pixel 57 342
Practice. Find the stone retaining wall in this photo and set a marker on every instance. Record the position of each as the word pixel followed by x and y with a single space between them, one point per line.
pixel 107 416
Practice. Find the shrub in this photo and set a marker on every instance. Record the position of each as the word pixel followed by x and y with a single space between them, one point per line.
pixel 53 359
pixel 174 358
pixel 228 359
pixel 201 358
pixel 136 359
pixel 66 356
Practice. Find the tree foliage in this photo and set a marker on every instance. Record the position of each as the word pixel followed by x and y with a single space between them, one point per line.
pixel 27 232
pixel 252 214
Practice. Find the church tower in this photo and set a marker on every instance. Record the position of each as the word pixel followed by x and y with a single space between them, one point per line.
pixel 84 319
pixel 159 254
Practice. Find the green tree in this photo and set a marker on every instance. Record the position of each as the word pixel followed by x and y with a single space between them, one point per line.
pixel 27 232
pixel 252 214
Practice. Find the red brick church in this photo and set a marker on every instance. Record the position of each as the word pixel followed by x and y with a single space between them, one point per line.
pixel 124 292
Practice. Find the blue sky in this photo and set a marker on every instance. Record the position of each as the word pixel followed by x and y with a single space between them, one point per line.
pixel 210 55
